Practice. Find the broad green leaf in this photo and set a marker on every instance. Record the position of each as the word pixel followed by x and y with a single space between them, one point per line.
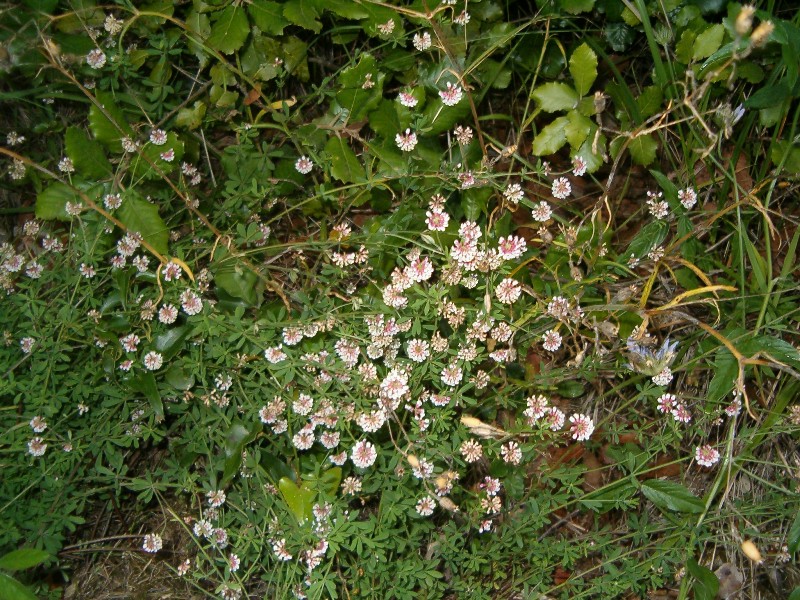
pixel 578 128
pixel 793 539
pixel 643 149
pixel 52 201
pixel 668 495
pixel 24 558
pixel 330 480
pixel 352 95
pixel 300 499
pixel 345 165
pixel 575 7
pixel 237 439
pixel 179 378
pixel 571 389
pixel 237 280
pixel 275 468
pixel 649 101
pixel 107 122
pixel 725 370
pixel 139 215
pixel 267 16
pixel 670 189
pixel 649 236
pixel 583 68
pixel 474 202
pixel 258 60
pixel 229 30
pixel 191 118
pixel 685 46
pixel 170 342
pixel 706 584
pixel 347 9
pixel 295 54
pixel 619 36
pixel 551 138
pixel 787 155
pixel 795 595
pixel 87 155
pixel 11 589
pixel 145 383
pixel 151 165
pixel 586 151
pixel 553 97
pixel 304 13
pixel 708 42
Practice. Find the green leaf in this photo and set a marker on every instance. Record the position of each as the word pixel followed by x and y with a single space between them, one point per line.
pixel 769 96
pixel 345 166
pixel 237 439
pixel 295 54
pixel 649 101
pixel 550 138
pixel 706 584
pixel 795 595
pixel 52 201
pixel 575 7
pixel 643 149
pixel 668 495
pixel 24 558
pixel 571 389
pixel 87 155
pixel 708 42
pixel 578 128
pixel 170 343
pixel 793 539
pixel 583 68
pixel 619 36
pixel 347 9
pixel 191 118
pixel 235 278
pixel 300 499
pixel 303 13
pixel 150 165
pixel 229 30
pixel 474 202
pixel 553 97
pixel 726 370
pixel 649 236
pixel 145 383
pixel 352 94
pixel 179 378
pixel 11 589
pixel 137 214
pixel 107 122
pixel 267 16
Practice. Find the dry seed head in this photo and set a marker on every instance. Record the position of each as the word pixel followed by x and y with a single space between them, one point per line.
pixel 413 461
pixel 751 551
pixel 761 34
pixel 744 21
pixel 448 504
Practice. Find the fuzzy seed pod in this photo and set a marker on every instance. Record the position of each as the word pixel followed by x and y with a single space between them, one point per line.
pixel 751 551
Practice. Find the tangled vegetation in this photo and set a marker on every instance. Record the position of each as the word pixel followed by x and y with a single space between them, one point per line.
pixel 363 299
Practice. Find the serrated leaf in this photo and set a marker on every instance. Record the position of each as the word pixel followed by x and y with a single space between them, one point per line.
pixel 553 97
pixel 578 128
pixel 11 589
pixel 706 584
pixel 668 495
pixel 551 138
pixel 139 215
pixel 583 68
pixel 24 558
pixel 229 30
pixel 352 95
pixel 51 202
pixel 303 13
pixel 619 36
pixel 268 16
pixel 107 122
pixel 649 101
pixel 299 498
pixel 575 7
pixel 708 42
pixel 345 165
pixel 643 149
pixel 87 156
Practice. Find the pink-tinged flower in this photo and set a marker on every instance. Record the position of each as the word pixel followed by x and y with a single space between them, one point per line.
pixel 417 350
pixel 126 365
pixel 463 135
pixel 425 506
pixel 667 402
pixel 561 188
pixel 304 439
pixel 38 424
pixel 351 485
pixel 233 563
pixel 168 156
pixel 303 405
pixel 437 220
pixel 451 95
pixel 706 456
pixel 292 336
pixel 581 428
pixel 464 252
pixel 34 270
pixel 87 270
pixel 681 414
pixel 658 207
pixel 578 166
pixel 348 351
pixel 470 232
pixel 167 314
pixel 407 99
pixel 393 296
pixel 486 525
pixel 471 450
pixel 274 355
pixel 420 269
pixel 172 271
pixel 96 59
pixel 112 201
pixel 158 137
pixel 36 446
pixel 551 340
pixel 422 41
pixel 511 247
pixel 734 408
pixel 279 548
pixel 542 212
pixel 184 567
pixel 406 141
pixel 491 485
pixel 153 361
pixel 363 454
pixel 554 418
pixel 152 543
pixel 329 439
pixel 664 377
pixel 304 165
pixel 216 498
pixel 508 291
pixel 395 385
pixel 513 193
pixel 688 198
pixel 26 344
pixel 452 375
pixel 491 504
pixel 129 342
pixel 537 405
pixel 511 452
pixel 191 303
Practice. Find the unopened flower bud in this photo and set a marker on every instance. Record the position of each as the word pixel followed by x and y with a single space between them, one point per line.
pixel 744 21
pixel 761 34
pixel 751 551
